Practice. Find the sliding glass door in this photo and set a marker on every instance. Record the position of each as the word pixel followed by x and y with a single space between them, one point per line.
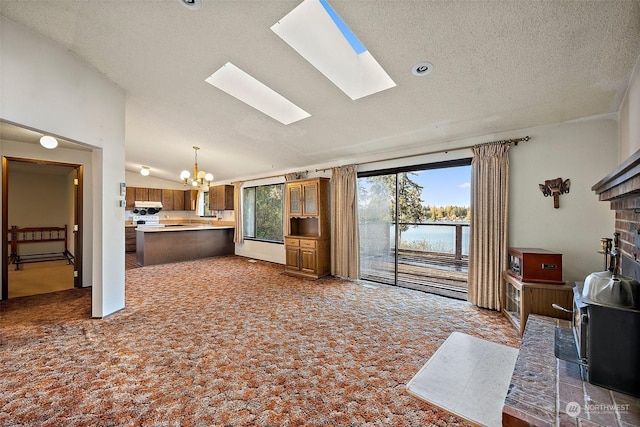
pixel 414 227
pixel 376 213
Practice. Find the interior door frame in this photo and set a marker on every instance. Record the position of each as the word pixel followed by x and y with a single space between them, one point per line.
pixel 78 174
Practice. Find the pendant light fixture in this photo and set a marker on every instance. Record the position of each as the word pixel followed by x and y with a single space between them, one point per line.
pixel 199 177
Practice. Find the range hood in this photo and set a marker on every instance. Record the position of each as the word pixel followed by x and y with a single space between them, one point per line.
pixel 147 205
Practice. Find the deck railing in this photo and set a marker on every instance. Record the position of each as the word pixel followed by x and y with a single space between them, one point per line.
pixel 459 247
pixel 433 259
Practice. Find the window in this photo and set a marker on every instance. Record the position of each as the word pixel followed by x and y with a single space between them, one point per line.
pixel 262 209
pixel 203 205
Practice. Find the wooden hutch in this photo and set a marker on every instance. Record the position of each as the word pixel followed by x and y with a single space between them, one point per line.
pixel 307 233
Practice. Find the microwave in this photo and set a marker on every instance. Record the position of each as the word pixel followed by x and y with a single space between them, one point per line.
pixel 535 265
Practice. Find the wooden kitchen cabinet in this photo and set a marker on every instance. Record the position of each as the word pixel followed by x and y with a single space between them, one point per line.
pixel 142 194
pixel 191 200
pixel 307 243
pixel 167 200
pixel 172 200
pixel 130 238
pixel 178 200
pixel 154 195
pixel 130 197
pixel 221 198
pixel 520 299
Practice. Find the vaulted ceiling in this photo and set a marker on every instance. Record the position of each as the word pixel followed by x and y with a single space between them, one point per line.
pixel 497 66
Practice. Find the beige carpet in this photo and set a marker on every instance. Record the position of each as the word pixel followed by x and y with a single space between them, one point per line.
pixel 40 278
pixel 227 342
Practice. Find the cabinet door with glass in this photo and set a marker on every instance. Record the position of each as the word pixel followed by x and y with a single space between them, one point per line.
pixel 295 199
pixel 310 204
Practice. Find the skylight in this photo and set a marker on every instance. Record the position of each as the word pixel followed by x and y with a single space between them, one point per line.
pixel 247 89
pixel 316 32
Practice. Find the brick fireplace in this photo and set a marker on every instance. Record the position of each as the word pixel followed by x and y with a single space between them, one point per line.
pixel 621 188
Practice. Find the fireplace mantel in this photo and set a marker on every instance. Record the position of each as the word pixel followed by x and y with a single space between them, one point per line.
pixel 621 188
pixel 622 181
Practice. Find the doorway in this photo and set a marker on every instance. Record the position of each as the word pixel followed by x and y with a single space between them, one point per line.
pixel 414 226
pixel 41 226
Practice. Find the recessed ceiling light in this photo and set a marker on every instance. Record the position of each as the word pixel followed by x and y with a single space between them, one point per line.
pixel 48 142
pixel 422 68
pixel 247 89
pixel 191 4
pixel 315 31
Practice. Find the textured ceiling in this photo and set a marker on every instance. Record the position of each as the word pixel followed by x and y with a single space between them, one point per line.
pixel 498 66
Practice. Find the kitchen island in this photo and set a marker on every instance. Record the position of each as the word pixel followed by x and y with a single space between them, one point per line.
pixel 182 242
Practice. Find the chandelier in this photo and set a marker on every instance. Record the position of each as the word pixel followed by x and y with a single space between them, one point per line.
pixel 199 177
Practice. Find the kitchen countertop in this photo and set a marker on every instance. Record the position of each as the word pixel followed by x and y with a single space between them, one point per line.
pixel 180 227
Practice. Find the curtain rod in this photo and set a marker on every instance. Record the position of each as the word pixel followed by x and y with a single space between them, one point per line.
pixel 267 177
pixel 514 141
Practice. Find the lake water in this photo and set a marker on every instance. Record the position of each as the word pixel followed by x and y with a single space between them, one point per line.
pixel 437 238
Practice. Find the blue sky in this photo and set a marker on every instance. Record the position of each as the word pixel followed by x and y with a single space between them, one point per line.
pixel 448 186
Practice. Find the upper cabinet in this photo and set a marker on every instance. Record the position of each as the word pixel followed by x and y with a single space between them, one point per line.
pixel 221 198
pixel 307 204
pixel 304 197
pixel 178 200
pixel 172 200
pixel 130 197
pixel 167 200
pixel 142 194
pixel 155 195
pixel 310 193
pixel 191 200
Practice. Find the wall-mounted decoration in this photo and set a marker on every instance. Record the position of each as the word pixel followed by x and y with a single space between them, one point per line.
pixel 555 187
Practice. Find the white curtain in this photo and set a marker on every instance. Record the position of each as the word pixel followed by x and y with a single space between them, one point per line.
pixel 345 245
pixel 489 214
pixel 237 213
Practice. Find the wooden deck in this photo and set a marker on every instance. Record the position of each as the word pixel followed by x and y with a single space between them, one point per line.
pixel 425 271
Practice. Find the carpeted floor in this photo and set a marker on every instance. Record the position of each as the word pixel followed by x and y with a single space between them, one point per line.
pixel 228 342
pixel 40 278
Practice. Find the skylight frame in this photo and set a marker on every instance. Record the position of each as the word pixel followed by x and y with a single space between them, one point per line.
pixel 319 35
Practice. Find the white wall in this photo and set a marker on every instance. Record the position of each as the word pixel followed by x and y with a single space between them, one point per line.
pixel 584 152
pixel 629 114
pixel 46 88
pixel 134 179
